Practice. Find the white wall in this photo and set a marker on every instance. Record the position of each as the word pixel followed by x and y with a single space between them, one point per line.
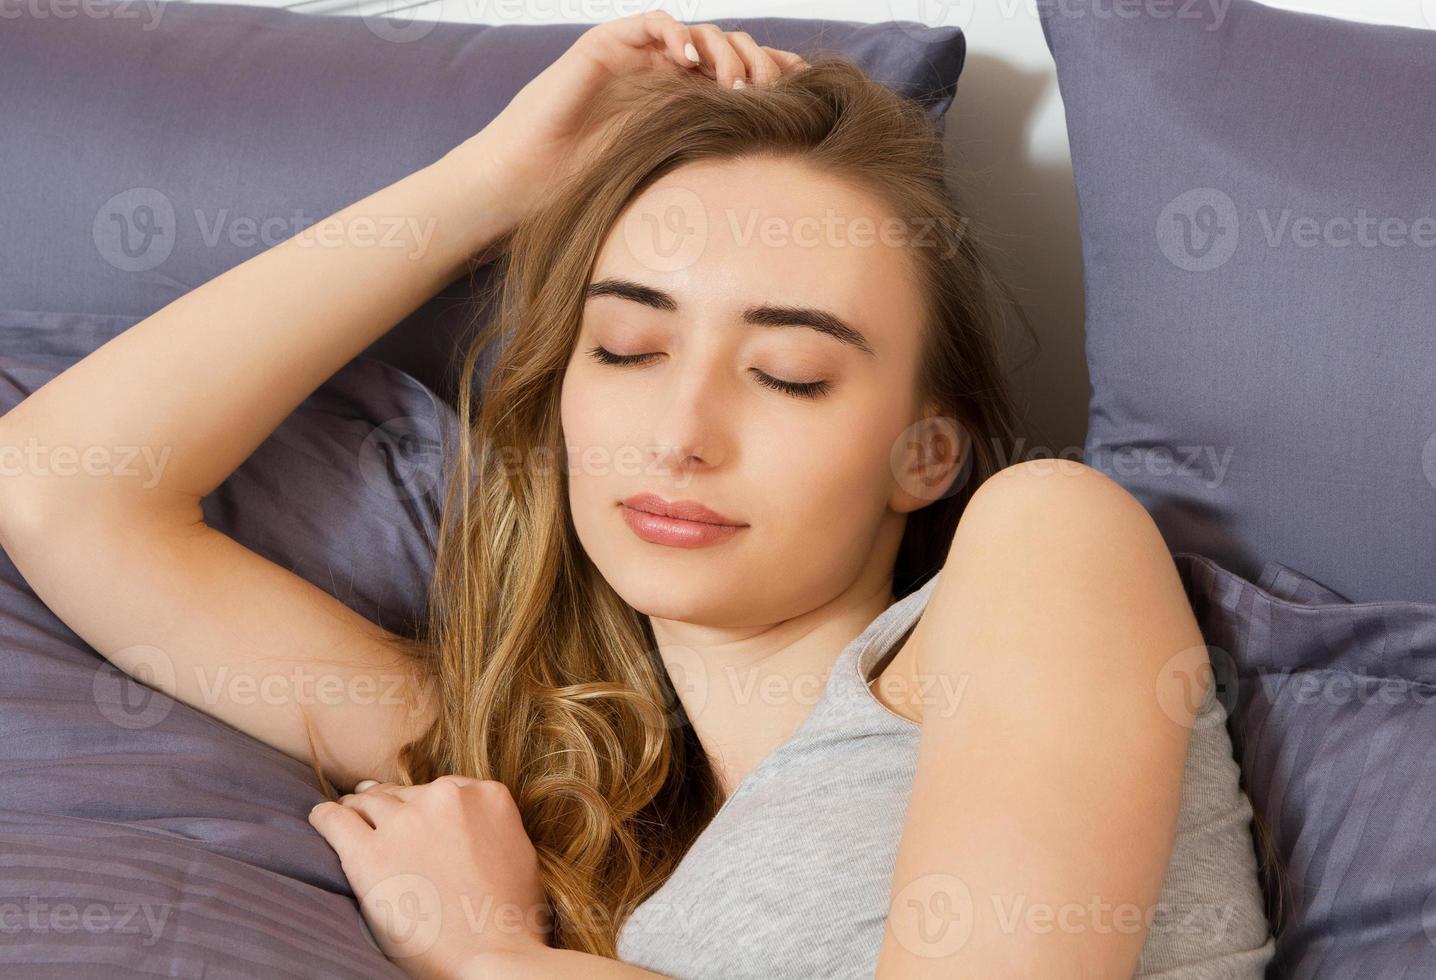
pixel 1006 141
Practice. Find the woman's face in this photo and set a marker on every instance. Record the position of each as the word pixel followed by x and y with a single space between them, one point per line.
pixel 715 274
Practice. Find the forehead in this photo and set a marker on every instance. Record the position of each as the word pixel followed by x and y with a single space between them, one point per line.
pixel 721 235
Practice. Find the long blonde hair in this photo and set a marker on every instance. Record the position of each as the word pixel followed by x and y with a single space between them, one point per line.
pixel 546 679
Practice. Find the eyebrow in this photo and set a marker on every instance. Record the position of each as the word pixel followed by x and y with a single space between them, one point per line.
pixel 766 315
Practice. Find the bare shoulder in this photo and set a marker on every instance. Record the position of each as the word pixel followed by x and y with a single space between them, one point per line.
pixel 1047 738
pixel 1047 495
pixel 1059 549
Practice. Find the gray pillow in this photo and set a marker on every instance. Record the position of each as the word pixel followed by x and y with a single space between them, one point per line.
pixel 1330 705
pixel 1259 240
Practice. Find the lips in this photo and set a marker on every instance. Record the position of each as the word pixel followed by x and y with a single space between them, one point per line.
pixel 684 510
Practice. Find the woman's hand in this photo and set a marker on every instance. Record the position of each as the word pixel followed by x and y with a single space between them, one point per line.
pixel 540 133
pixel 443 871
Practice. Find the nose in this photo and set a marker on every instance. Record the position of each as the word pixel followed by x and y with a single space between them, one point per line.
pixel 690 426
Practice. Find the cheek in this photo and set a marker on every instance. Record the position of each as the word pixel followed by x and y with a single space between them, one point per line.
pixel 595 432
pixel 837 468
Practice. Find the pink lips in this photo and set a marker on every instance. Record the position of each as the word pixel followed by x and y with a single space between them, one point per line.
pixel 677 523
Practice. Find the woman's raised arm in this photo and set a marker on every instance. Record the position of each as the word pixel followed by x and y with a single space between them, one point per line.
pixel 129 564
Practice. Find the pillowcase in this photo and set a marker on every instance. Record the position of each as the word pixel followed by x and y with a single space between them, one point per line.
pixel 222 129
pixel 140 834
pixel 1329 705
pixel 1258 239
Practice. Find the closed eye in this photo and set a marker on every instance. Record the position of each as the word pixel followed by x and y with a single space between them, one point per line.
pixel 803 389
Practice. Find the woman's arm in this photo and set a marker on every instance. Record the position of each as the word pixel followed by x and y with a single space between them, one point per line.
pixel 1044 806
pixel 128 562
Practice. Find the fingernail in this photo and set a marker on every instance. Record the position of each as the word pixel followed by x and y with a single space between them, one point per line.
pixel 691 52
pixel 364 784
pixel 739 83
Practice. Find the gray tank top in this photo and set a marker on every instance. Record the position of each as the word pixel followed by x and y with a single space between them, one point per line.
pixel 790 880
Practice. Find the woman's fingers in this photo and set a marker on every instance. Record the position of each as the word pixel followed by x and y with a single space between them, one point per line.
pixel 724 56
pixel 787 60
pixel 759 66
pixel 719 60
pixel 343 827
pixel 642 31
pixel 373 805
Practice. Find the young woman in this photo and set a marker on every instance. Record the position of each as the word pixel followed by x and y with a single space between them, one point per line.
pixel 669 716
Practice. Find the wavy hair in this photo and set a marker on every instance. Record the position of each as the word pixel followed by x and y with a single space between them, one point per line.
pixel 546 679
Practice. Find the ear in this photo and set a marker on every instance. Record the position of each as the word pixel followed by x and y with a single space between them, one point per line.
pixel 931 459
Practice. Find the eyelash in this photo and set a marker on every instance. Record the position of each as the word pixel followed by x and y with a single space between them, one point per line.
pixel 809 389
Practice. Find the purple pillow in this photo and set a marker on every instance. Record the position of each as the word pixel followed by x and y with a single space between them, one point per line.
pixel 1258 241
pixel 1330 704
pixel 183 841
